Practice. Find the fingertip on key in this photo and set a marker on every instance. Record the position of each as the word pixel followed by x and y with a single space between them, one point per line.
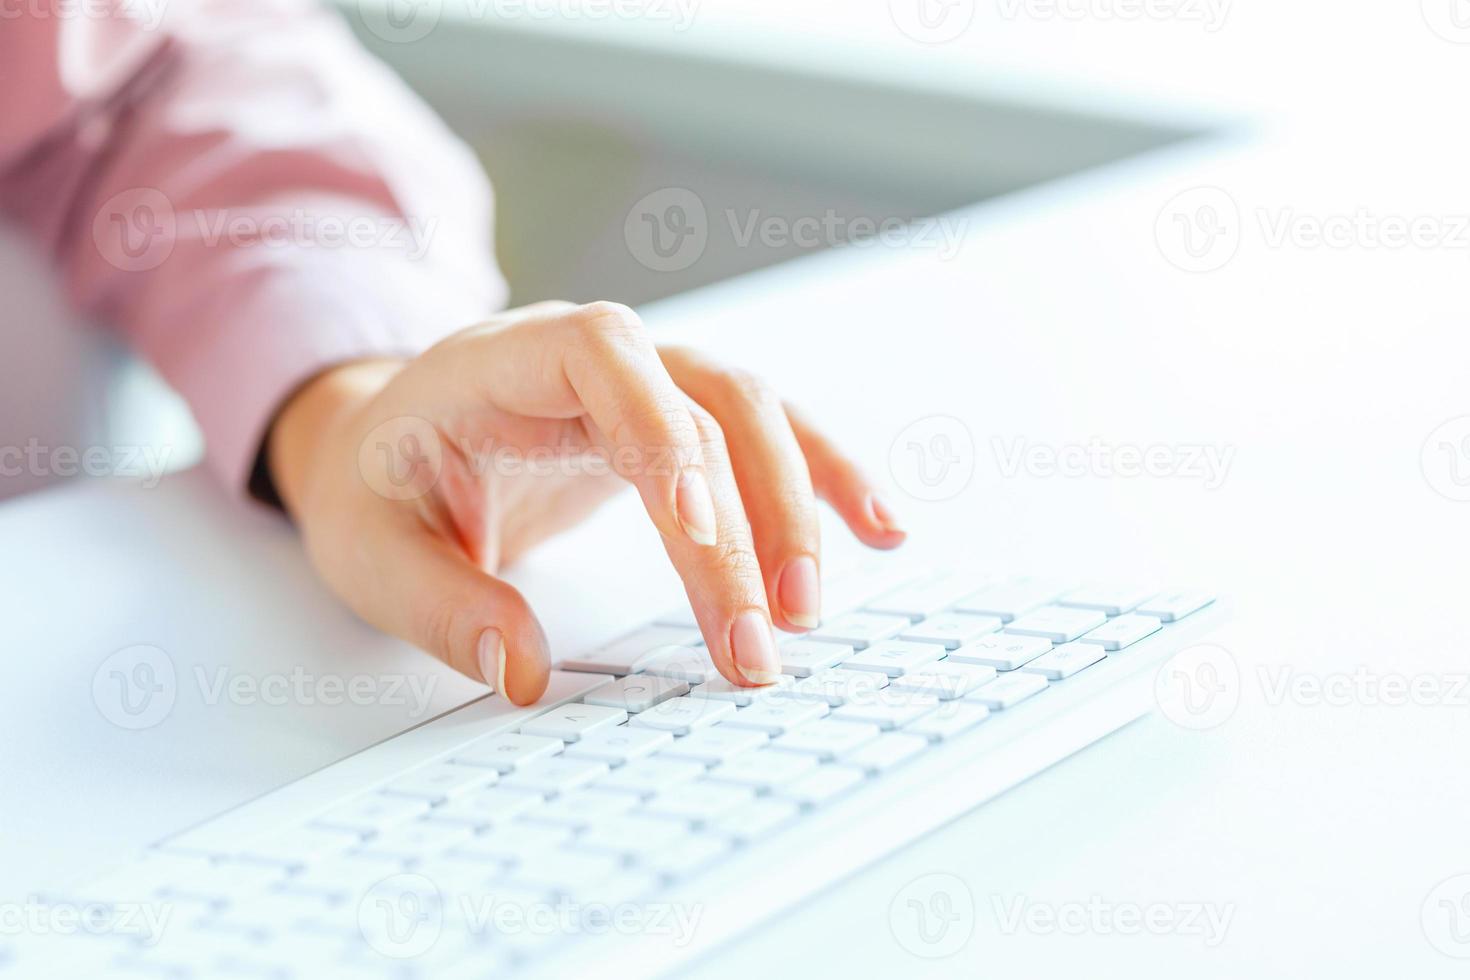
pixel 753 648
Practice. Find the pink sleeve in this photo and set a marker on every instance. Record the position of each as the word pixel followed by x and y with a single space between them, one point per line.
pixel 243 192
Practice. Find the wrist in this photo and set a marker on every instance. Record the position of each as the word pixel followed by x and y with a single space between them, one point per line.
pixel 310 419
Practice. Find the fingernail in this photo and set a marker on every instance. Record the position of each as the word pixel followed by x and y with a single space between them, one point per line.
pixel 883 515
pixel 800 592
pixel 696 507
pixel 753 647
pixel 492 659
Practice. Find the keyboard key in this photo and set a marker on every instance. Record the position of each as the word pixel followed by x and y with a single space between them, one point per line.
pixel 777 715
pixel 953 718
pixel 952 629
pixel 763 769
pixel 646 777
pixel 944 680
pixel 1174 606
pixel 571 722
pixel 725 691
pixel 683 715
pixel 755 820
pixel 440 781
pixel 372 813
pixel 637 692
pixel 894 657
pixel 631 835
pixel 821 786
pixel 569 872
pixel 620 745
pixel 490 806
pixel 826 739
pixel 887 709
pixel 1008 690
pixel 1003 652
pixel 420 839
pixel 837 686
pixel 803 658
pixel 861 629
pixel 925 598
pixel 714 745
pixel 1065 660
pixel 1010 600
pixel 699 801
pixel 1123 631
pixel 685 856
pixel 298 846
pixel 635 651
pixel 505 753
pixel 886 751
pixel 1112 600
pixel 552 776
pixel 515 842
pixel 1057 623
pixel 683 664
pixel 582 808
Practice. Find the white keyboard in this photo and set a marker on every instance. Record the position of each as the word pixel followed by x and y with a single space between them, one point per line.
pixel 619 821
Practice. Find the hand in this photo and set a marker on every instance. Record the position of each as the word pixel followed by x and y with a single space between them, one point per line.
pixel 414 482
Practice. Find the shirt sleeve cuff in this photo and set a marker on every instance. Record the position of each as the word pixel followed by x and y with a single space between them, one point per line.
pixel 270 331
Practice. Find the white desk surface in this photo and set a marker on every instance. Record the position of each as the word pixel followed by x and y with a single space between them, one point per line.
pixel 1323 828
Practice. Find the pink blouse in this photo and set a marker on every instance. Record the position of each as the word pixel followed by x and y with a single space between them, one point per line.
pixel 242 191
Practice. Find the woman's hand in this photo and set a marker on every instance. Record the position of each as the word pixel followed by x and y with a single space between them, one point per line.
pixel 414 482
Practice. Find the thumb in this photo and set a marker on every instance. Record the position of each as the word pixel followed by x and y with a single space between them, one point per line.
pixel 431 595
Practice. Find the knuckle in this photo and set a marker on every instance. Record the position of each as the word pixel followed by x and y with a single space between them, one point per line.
pixel 706 426
pixel 737 560
pixel 663 433
pixel 609 324
pixel 746 387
